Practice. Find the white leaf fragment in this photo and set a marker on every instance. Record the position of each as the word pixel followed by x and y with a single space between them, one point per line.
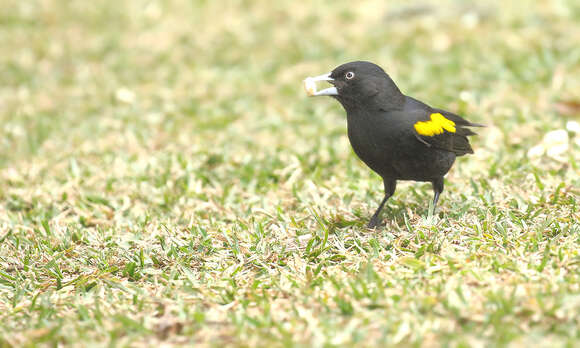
pixel 554 144
pixel 573 126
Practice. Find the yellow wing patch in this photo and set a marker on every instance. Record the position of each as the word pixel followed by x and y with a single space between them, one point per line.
pixel 436 125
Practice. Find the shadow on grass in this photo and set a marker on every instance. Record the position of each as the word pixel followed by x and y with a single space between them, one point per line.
pixel 391 214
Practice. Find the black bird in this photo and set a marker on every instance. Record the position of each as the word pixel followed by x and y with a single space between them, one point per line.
pixel 397 136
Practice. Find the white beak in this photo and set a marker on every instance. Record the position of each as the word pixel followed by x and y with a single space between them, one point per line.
pixel 310 86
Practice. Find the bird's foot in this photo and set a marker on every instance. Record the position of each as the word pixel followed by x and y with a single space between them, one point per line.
pixel 374 223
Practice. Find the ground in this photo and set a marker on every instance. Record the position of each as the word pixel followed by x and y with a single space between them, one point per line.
pixel 164 180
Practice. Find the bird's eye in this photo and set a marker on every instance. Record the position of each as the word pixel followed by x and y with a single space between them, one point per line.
pixel 349 75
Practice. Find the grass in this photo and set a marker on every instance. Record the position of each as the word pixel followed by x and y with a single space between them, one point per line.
pixel 164 179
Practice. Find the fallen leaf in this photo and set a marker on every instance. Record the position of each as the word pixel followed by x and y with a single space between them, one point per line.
pixel 568 107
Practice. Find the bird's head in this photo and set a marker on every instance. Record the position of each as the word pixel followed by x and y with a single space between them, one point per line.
pixel 355 83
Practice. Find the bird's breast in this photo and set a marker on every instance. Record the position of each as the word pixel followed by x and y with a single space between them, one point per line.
pixel 368 142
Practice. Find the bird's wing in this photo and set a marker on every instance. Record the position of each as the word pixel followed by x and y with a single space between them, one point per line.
pixel 444 130
pixel 457 119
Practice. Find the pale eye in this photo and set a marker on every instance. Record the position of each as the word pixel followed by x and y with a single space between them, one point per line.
pixel 349 75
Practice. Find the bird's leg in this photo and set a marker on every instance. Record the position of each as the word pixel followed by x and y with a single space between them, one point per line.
pixel 375 221
pixel 389 190
pixel 437 189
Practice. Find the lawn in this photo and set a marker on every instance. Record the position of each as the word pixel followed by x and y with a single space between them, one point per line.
pixel 164 180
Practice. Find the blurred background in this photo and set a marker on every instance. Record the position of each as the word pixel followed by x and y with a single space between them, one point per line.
pixel 126 76
pixel 220 82
pixel 123 123
pixel 113 93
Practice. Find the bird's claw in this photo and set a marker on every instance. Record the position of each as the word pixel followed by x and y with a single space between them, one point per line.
pixel 374 223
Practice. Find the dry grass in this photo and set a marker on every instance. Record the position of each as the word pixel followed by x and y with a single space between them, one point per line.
pixel 164 179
